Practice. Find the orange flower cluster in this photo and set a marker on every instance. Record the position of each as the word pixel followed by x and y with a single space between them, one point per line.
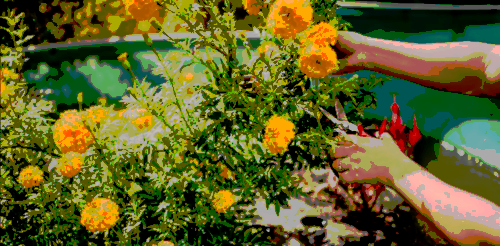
pixel 70 164
pixel 30 176
pixel 223 200
pixel 100 215
pixel 278 135
pixel 317 62
pixel 70 135
pixel 289 17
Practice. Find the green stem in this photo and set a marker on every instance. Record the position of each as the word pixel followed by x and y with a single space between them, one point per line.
pixel 177 102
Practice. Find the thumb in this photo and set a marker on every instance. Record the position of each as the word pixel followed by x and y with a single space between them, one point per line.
pixel 386 135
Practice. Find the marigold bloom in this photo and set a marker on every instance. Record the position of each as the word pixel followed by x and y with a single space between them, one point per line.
pixel 70 164
pixel 223 200
pixel 278 135
pixel 322 34
pixel 189 76
pixel 100 215
pixel 289 17
pixel 143 122
pixel 70 135
pixel 96 114
pixel 30 176
pixel 317 62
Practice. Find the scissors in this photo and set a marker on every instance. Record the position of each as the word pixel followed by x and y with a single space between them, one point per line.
pixel 344 125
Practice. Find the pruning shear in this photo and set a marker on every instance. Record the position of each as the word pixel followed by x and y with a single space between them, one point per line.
pixel 344 125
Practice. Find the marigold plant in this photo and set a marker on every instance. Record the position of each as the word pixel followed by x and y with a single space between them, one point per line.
pixel 100 215
pixel 30 176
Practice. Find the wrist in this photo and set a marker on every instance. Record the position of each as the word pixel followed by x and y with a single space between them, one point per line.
pixel 402 167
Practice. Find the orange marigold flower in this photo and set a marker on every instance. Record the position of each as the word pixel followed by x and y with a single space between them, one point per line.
pixel 143 122
pixel 322 34
pixel 278 135
pixel 96 114
pixel 70 164
pixel 289 17
pixel 317 62
pixel 189 76
pixel 223 200
pixel 30 176
pixel 100 215
pixel 70 135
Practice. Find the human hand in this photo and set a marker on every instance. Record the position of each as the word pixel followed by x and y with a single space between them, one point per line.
pixel 370 160
pixel 349 49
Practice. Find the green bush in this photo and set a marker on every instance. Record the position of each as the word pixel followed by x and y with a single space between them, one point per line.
pixel 177 148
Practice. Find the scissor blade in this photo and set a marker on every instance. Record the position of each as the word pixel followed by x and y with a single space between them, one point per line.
pixel 346 124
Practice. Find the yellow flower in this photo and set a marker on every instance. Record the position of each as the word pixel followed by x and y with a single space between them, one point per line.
pixel 143 122
pixel 223 200
pixel 317 62
pixel 289 17
pixel 70 135
pixel 96 114
pixel 30 176
pixel 322 34
pixel 70 164
pixel 278 135
pixel 100 215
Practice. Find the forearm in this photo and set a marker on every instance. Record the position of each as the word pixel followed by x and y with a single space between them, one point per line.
pixel 465 218
pixel 455 67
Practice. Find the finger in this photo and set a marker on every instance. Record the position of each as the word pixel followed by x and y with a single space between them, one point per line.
pixel 386 135
pixel 349 138
pixel 342 151
pixel 344 167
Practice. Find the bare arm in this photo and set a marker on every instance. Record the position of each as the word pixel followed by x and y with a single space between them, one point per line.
pixel 465 218
pixel 471 68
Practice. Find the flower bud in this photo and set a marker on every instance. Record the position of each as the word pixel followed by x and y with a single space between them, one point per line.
pixel 79 98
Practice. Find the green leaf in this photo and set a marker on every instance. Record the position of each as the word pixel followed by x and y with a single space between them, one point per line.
pixel 134 188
